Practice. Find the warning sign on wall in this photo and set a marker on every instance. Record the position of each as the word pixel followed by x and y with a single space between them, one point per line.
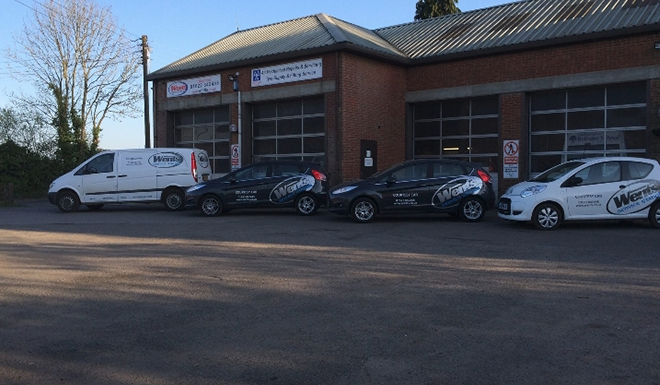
pixel 235 157
pixel 511 153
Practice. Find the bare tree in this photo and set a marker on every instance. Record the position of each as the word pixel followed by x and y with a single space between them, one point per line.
pixel 74 53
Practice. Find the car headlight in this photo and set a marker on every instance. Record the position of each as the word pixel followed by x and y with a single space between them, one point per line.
pixel 344 189
pixel 533 190
pixel 195 187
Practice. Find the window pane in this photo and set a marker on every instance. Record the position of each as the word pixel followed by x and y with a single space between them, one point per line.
pixel 264 147
pixel 455 108
pixel 412 172
pixel 204 133
pixel 289 146
pixel 427 111
pixel 586 97
pixel 221 166
pixel 456 127
pixel 639 170
pixel 546 143
pixel 446 169
pixel 484 126
pixel 548 122
pixel 541 163
pixel 289 126
pixel 586 119
pixel 484 145
pixel 266 128
pixel 222 149
pixel 314 125
pixel 630 140
pixel 314 144
pixel 222 114
pixel 186 134
pixel 204 117
pixel 285 169
pixel 626 117
pixel 485 106
pixel 583 141
pixel 183 118
pixel 427 147
pixel 551 100
pixel 455 146
pixel 266 110
pixel 314 106
pixel 289 108
pixel 208 147
pixel 427 129
pixel 626 94
pixel 222 132
pixel 488 163
pixel 600 173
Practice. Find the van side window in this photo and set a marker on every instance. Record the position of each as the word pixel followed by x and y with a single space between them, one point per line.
pixel 100 164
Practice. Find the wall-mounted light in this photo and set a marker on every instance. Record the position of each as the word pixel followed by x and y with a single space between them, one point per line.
pixel 234 78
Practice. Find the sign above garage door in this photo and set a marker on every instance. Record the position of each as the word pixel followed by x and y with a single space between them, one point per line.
pixel 286 73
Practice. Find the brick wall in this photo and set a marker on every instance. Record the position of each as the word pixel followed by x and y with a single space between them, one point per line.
pixel 372 108
pixel 601 55
pixel 511 128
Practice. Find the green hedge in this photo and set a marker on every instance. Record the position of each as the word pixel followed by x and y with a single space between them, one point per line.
pixel 29 172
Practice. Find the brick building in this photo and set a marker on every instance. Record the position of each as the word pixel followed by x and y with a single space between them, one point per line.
pixel 549 80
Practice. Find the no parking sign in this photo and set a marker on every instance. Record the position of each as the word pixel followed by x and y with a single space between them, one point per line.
pixel 511 153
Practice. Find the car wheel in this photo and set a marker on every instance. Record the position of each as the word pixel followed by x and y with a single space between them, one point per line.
pixel 68 202
pixel 363 210
pixel 307 204
pixel 210 206
pixel 547 216
pixel 95 207
pixel 471 210
pixel 173 199
pixel 654 215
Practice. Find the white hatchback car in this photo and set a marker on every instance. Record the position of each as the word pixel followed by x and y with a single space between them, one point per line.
pixel 595 188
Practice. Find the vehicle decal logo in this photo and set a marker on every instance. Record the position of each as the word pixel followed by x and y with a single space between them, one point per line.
pixel 166 159
pixel 288 189
pixel 177 88
pixel 634 198
pixel 453 191
pixel 203 160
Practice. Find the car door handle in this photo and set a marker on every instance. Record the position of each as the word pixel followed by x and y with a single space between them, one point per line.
pixel 123 176
pixel 622 186
pixel 110 176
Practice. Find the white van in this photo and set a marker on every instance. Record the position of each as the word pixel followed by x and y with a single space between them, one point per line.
pixel 140 175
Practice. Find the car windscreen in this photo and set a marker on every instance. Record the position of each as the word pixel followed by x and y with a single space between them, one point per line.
pixel 556 172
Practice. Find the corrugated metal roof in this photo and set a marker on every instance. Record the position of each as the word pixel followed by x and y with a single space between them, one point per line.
pixel 290 36
pixel 519 23
pixel 501 26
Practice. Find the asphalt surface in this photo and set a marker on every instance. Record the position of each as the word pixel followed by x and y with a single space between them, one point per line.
pixel 138 295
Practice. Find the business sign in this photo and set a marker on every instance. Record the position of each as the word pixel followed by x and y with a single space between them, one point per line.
pixel 286 73
pixel 511 152
pixel 194 86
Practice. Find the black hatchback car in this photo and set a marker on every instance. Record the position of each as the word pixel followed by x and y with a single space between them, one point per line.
pixel 264 184
pixel 430 186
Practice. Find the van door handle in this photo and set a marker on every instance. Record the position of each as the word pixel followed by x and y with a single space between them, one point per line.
pixel 123 176
pixel 110 176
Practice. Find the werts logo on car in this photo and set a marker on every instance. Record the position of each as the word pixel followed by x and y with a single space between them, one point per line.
pixel 288 189
pixel 166 159
pixel 451 193
pixel 634 198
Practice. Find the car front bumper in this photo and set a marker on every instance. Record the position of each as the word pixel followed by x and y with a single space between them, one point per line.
pixel 515 208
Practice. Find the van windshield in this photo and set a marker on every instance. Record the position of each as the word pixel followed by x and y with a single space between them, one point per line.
pixel 556 172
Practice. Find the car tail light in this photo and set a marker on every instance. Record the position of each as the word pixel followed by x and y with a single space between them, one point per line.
pixel 484 176
pixel 193 166
pixel 318 175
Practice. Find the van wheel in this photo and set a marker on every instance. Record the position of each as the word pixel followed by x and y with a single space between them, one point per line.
pixel 306 204
pixel 471 210
pixel 95 207
pixel 547 216
pixel 210 206
pixel 68 202
pixel 363 210
pixel 173 199
pixel 654 215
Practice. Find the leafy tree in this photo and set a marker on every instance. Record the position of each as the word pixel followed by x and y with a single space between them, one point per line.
pixel 78 59
pixel 426 9
pixel 26 130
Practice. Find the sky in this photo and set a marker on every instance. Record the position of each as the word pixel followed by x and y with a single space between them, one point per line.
pixel 178 28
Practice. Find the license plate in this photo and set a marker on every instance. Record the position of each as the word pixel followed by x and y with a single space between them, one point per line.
pixel 503 206
pixel 205 177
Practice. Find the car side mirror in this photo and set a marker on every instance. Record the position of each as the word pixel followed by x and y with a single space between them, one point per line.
pixel 232 180
pixel 573 181
pixel 390 181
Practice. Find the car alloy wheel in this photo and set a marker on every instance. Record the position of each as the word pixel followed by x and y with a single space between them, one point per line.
pixel 363 210
pixel 306 204
pixel 654 215
pixel 472 210
pixel 547 217
pixel 210 206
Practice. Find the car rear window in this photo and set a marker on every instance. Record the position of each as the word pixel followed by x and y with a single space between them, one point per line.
pixel 286 169
pixel 638 170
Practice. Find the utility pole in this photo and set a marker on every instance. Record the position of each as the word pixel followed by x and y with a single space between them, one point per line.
pixel 145 71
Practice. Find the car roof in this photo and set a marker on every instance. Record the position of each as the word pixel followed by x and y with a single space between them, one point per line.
pixel 444 160
pixel 615 159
